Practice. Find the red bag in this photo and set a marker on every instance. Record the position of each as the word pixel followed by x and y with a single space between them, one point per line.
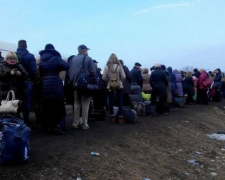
pixel 207 82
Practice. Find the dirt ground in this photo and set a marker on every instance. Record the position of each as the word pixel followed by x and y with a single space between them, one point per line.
pixel 157 147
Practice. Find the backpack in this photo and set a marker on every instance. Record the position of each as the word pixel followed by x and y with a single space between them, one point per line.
pixel 114 81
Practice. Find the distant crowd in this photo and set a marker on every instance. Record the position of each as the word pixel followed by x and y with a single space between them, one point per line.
pixel 37 83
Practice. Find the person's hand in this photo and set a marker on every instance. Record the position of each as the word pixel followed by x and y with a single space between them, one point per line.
pixel 13 72
pixel 18 73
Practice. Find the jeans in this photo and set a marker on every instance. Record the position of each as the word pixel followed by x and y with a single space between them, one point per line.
pixel 81 101
pixel 119 98
pixel 27 100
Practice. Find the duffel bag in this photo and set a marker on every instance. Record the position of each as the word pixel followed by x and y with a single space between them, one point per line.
pixel 130 115
pixel 180 101
pixel 14 141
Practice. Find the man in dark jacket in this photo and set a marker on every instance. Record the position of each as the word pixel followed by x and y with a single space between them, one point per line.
pixel 81 99
pixel 29 63
pixel 172 83
pixel 159 82
pixel 1 58
pixel 135 74
pixel 126 85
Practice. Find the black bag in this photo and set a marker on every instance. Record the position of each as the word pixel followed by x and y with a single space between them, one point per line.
pixel 85 83
pixel 135 98
pixel 180 101
pixel 135 89
pixel 130 115
pixel 140 108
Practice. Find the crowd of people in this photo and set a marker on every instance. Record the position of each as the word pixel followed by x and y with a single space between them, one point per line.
pixel 37 83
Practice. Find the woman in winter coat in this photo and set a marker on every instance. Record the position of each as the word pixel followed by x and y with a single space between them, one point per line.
pixel 202 97
pixel 113 65
pixel 52 89
pixel 188 87
pixel 179 88
pixel 12 76
pixel 146 88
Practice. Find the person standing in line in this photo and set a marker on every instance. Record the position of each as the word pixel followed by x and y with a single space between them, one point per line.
pixel 12 76
pixel 29 63
pixel 126 85
pixel 172 84
pixel 114 68
pixel 202 96
pixel 52 94
pixel 136 76
pixel 188 87
pixel 81 99
pixel 159 82
pixel 146 88
pixel 179 87
pixel 1 58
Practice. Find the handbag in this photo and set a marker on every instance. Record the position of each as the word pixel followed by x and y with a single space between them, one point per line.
pixel 10 106
pixel 84 82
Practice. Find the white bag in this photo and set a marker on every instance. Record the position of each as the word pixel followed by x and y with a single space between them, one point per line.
pixel 10 106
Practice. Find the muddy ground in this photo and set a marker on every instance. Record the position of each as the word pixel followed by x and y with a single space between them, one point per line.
pixel 157 147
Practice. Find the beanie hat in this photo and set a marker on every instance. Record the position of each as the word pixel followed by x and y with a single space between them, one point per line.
pixel 22 44
pixel 49 47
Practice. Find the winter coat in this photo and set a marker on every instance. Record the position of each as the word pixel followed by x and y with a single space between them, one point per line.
pixel 50 66
pixel 179 88
pixel 168 88
pixel 136 76
pixel 188 86
pixel 159 82
pixel 217 81
pixel 146 76
pixel 28 62
pixel 12 82
pixel 172 79
pixel 202 78
pixel 127 81
pixel 120 73
pixel 76 65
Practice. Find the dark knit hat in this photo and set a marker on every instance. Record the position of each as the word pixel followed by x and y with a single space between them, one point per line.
pixel 49 47
pixel 22 44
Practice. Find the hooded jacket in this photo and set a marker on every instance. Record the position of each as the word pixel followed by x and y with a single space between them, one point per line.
pixel 50 66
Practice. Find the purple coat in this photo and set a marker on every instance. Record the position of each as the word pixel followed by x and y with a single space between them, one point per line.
pixel 179 87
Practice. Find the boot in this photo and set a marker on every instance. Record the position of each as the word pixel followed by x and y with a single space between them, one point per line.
pixel 121 120
pixel 113 119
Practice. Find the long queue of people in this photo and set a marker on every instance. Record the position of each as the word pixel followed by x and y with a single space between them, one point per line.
pixel 39 82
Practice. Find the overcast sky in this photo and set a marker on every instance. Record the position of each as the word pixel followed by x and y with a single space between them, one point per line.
pixel 176 33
